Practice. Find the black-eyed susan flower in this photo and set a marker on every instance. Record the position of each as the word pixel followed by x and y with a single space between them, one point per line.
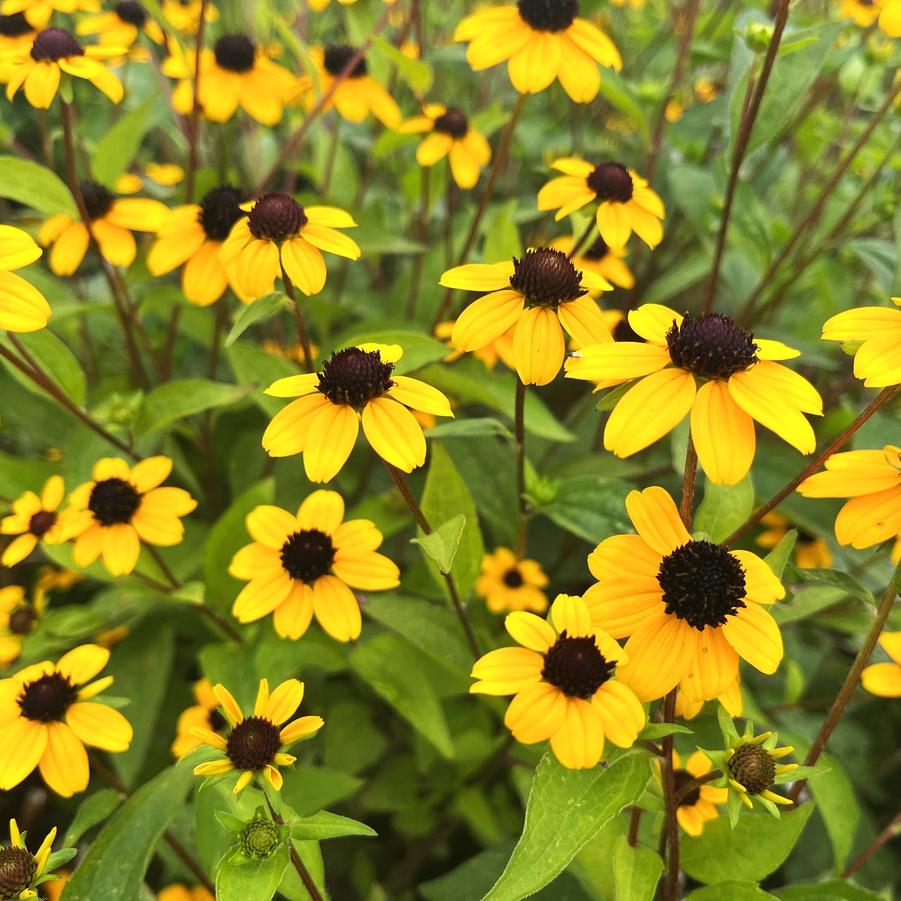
pixel 279 236
pixel 305 565
pixel 509 584
pixel 15 32
pixel 862 12
pixel 121 25
pixel 698 806
pixel 625 201
pixel 689 608
pixel 184 15
pixel 872 481
pixel 47 717
pixel 21 872
pixel 562 679
pixel 878 329
pixel 884 679
pixel 357 384
pixel 598 257
pixel 38 12
pixel 204 714
pixel 540 294
pixel 740 382
pixel 501 348
pixel 811 551
pixel 192 236
pixel 124 506
pixel 22 307
pixel 179 892
pixel 254 745
pixel 450 135
pixel 112 222
pixel 35 520
pixel 540 41
pixel 17 619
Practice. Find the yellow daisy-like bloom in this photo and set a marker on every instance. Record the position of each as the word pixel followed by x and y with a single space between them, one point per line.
pixel 884 679
pixel 509 584
pixel 22 307
pixel 255 744
pixel 121 26
pixel 34 520
pixel 449 135
pixel 51 579
pixel 740 383
pixel 811 552
pixel 17 619
pixel 626 202
pixel 38 12
pixel 540 294
pixel 598 257
pixel 540 41
pixel 862 12
pixel 878 359
pixel 184 15
pixel 307 564
pixel 690 608
pixel 279 236
pixel 166 174
pixel 890 18
pixel 21 870
pixel 752 771
pixel 563 685
pixel 112 222
pixel 872 481
pixel 179 892
pixel 202 715
pixel 192 236
pixel 699 806
pixel 15 32
pixel 124 506
pixel 500 348
pixel 355 385
pixel 731 699
pixel 47 717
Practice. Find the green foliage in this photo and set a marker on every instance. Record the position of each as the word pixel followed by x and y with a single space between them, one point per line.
pixel 35 186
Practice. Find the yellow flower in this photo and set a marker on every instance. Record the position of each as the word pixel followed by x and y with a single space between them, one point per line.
pixel 47 717
pixel 626 203
pixel 501 348
pixel 34 520
pixel 706 90
pixel 307 564
pixel 811 552
pixel 872 481
pixel 278 237
pixel 356 384
pixel 112 223
pixel 166 174
pixel 509 584
pixel 862 12
pixel 293 352
pixel 51 579
pixel 193 235
pixel 319 5
pixel 449 135
pixel 884 679
pixel 890 18
pixel 563 685
pixel 179 892
pixel 23 871
pixel 15 32
pixel 184 15
pixel 741 383
pixel 541 41
pixel 124 506
pixel 203 715
pixel 54 890
pixel 541 294
pixel 38 12
pixel 690 608
pixel 635 4
pixel 22 307
pixel 731 699
pixel 878 359
pixel 121 26
pixel 17 619
pixel 598 257
pixel 699 806
pixel 254 744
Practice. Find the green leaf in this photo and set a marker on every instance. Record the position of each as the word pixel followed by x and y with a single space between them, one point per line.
pixel 310 788
pixel 837 805
pixel 18 474
pixel 93 810
pixel 565 809
pixel 119 146
pixel 441 545
pixel 57 361
pixel 239 878
pixel 782 552
pixel 724 508
pixel 617 93
pixel 636 872
pixel 502 236
pixel 734 891
pixel 258 311
pixel 591 507
pixel 415 72
pixel 830 890
pixel 659 730
pixel 325 825
pixel 850 585
pixel 184 397
pixel 475 427
pixel 36 186
pixel 257 369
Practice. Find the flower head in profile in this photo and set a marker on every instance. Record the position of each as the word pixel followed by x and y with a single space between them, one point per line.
pixel 356 384
pixel 609 263
pixel 21 872
pixel 254 746
pixel 689 608
pixel 47 717
pixel 698 805
pixel 38 12
pixel 35 520
pixel 710 367
pixel 121 25
pixel 124 506
pixel 22 307
pixel 811 551
pixel 280 237
pixel 884 679
pixel 203 714
pixel 508 583
pixel 306 564
pixel 562 679
pixel 540 40
pixel 17 619
pixel 449 134
pixel 625 202
pixel 541 294
pixel 877 330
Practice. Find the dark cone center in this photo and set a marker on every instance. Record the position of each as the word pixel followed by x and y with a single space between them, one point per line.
pixel 22 619
pixel 711 345
pixel 131 12
pixel 452 122
pixel 276 217
pixel 512 578
pixel 548 15
pixel 752 767
pixel 611 181
pixel 336 58
pixel 17 870
pixel 235 52
pixel 681 779
pixel 14 26
pixel 576 666
pixel 98 200
pixel 41 522
pixel 307 555
pixel 114 501
pixel 253 743
pixel 596 251
pixel 47 699
pixel 545 277
pixel 215 720
pixel 354 377
pixel 54 44
pixel 220 209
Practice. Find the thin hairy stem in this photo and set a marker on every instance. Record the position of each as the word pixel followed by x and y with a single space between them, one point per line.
pixel 303 336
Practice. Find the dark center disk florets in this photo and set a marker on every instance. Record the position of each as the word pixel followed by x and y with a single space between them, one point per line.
pixel 22 619
pixel 681 778
pixel 452 122
pixel 546 277
pixel 276 217
pixel 307 555
pixel 114 501
pixel 702 584
pixel 98 200
pixel 17 869
pixel 47 699
pixel 512 578
pixel 41 522
pixel 215 720
pixel 14 26
pixel 548 15
pixel 220 209
pixel 711 345
pixel 752 767
pixel 337 56
pixel 131 12
pixel 576 666
pixel 597 250
pixel 253 743
pixel 353 376
pixel 53 44
pixel 611 181
pixel 235 52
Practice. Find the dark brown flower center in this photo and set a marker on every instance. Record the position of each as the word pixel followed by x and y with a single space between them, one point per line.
pixel 611 181
pixel 354 377
pixel 235 52
pixel 131 12
pixel 47 699
pixel 98 200
pixel 307 555
pixel 14 26
pixel 548 15
pixel 22 619
pixel 545 277
pixel 711 345
pixel 597 250
pixel 576 666
pixel 452 122
pixel 53 44
pixel 338 56
pixel 253 743
pixel 512 578
pixel 752 767
pixel 17 870
pixel 276 217
pixel 41 522
pixel 220 209
pixel 114 501
pixel 215 720
pixel 681 779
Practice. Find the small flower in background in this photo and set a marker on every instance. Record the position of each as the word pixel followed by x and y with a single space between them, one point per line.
pixel 17 619
pixel 878 358
pixel 609 263
pixel 22 307
pixel 38 12
pixel 52 579
pixel 355 385
pixel 164 175
pixel 706 90
pixel 184 15
pixel 509 584
pixel 124 506
pixel 626 203
pixel 121 25
pixel 811 552
pixel 179 892
pixel 35 520
pixel 202 715
pixel 562 679
pixel 699 805
pixel 47 717
pixel 255 744
pixel 21 872
pixel 305 565
pixel 450 135
pixel 540 42
pixel 500 348
pixel 884 679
